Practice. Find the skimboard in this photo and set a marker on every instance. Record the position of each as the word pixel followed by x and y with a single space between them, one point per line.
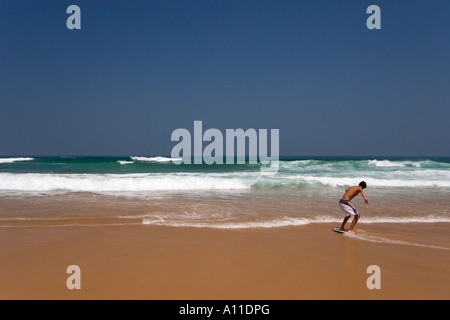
pixel 338 230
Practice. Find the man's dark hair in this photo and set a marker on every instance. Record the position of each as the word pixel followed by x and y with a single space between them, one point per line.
pixel 363 184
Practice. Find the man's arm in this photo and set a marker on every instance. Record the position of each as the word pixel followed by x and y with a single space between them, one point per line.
pixel 364 196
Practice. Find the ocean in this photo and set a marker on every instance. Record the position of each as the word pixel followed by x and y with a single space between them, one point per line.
pixel 60 191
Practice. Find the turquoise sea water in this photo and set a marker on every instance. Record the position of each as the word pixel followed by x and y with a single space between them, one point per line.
pixel 160 173
pixel 154 190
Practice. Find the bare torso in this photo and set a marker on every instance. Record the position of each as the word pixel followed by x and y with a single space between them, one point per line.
pixel 351 192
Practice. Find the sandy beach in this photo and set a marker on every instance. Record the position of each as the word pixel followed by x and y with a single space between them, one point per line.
pixel 154 262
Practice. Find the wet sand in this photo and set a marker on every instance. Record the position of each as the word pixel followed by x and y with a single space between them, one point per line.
pixel 289 263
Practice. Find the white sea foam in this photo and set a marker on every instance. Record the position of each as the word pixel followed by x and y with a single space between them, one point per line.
pixel 388 163
pixel 435 180
pixel 124 162
pixel 219 223
pixel 205 181
pixel 378 239
pixel 119 182
pixel 407 163
pixel 275 223
pixel 416 219
pixel 11 160
pixel 154 159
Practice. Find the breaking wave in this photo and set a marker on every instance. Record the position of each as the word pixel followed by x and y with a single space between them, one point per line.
pixel 159 173
pixel 11 160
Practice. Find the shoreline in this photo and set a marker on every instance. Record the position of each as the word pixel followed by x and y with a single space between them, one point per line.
pixel 167 263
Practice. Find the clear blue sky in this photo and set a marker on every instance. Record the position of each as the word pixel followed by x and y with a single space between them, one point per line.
pixel 137 70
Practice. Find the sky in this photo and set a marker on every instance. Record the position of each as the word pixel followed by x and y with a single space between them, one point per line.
pixel 138 70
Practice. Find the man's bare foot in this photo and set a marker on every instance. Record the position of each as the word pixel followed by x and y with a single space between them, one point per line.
pixel 342 229
pixel 351 231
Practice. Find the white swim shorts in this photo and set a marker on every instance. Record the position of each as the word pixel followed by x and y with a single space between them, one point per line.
pixel 348 209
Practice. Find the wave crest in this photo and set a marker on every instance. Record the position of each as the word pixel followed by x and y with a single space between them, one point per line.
pixel 154 159
pixel 11 160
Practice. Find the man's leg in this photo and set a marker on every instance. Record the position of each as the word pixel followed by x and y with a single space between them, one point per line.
pixel 344 222
pixel 355 220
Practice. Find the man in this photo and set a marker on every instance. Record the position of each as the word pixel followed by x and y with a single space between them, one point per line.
pixel 350 210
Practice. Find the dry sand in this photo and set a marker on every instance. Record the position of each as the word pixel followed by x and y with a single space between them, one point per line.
pixel 153 262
